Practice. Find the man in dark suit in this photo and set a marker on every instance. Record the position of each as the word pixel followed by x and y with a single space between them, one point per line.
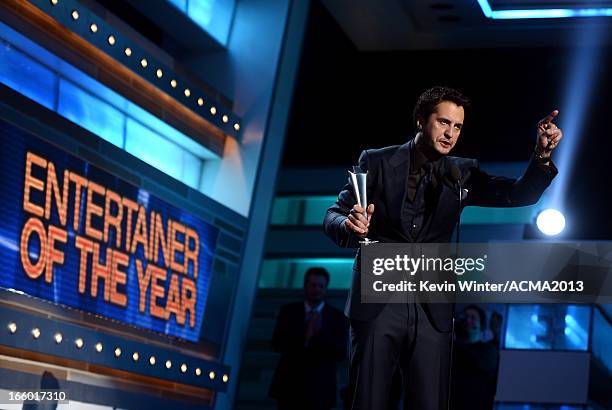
pixel 413 197
pixel 475 363
pixel 311 337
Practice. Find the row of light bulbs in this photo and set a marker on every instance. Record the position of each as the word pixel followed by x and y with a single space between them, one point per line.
pixel 93 27
pixel 79 343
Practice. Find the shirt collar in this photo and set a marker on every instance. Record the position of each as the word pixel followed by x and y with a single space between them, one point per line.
pixel 418 159
pixel 317 309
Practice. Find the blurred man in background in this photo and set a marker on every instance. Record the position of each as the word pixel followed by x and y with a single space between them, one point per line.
pixel 475 363
pixel 311 337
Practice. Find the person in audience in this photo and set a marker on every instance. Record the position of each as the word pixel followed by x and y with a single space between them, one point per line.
pixel 474 370
pixel 311 337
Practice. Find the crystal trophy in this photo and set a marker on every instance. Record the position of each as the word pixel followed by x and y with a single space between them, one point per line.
pixel 358 180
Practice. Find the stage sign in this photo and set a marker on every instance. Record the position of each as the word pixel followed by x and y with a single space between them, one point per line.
pixel 75 235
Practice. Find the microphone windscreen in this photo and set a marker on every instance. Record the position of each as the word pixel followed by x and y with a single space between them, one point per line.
pixel 455 172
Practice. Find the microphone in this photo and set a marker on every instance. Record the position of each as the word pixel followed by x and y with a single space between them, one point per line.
pixel 455 175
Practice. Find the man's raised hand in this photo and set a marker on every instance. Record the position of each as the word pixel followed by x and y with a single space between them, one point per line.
pixel 548 135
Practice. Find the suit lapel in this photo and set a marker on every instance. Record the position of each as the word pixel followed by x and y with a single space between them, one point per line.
pixel 447 197
pixel 396 186
pixel 444 173
pixel 400 164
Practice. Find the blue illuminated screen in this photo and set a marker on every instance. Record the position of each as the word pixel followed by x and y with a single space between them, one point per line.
pixel 76 235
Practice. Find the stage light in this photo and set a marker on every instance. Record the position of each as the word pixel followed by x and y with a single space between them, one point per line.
pixel 159 73
pixel 98 347
pixel 168 364
pixel 152 360
pixel 579 84
pixel 117 352
pixel 79 343
pixel 135 356
pixel 200 101
pixel 187 92
pixel 144 63
pixel 12 327
pixel 58 338
pixel 237 127
pixel 36 333
pixel 225 118
pixel 544 13
pixel 93 27
pixel 572 324
pixel 574 339
pixel 183 368
pixel 213 110
pixel 173 83
pixel 550 222
pixel 225 378
pixel 75 15
pixel 198 371
pixel 212 375
pixel 111 40
pixel 128 51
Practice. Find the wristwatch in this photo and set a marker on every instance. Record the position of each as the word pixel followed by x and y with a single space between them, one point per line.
pixel 540 158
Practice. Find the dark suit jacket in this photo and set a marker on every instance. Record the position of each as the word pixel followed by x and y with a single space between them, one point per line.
pixel 386 185
pixel 306 375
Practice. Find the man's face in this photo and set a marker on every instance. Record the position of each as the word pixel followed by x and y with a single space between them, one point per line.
pixel 472 324
pixel 315 288
pixel 441 130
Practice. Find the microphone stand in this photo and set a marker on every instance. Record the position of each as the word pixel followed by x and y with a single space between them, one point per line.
pixel 459 215
pixel 452 346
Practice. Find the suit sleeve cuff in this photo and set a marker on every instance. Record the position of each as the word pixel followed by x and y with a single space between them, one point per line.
pixel 549 169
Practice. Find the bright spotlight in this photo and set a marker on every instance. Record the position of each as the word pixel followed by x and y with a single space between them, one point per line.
pixel 550 222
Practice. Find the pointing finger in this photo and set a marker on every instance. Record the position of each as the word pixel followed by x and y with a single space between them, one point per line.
pixel 548 119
